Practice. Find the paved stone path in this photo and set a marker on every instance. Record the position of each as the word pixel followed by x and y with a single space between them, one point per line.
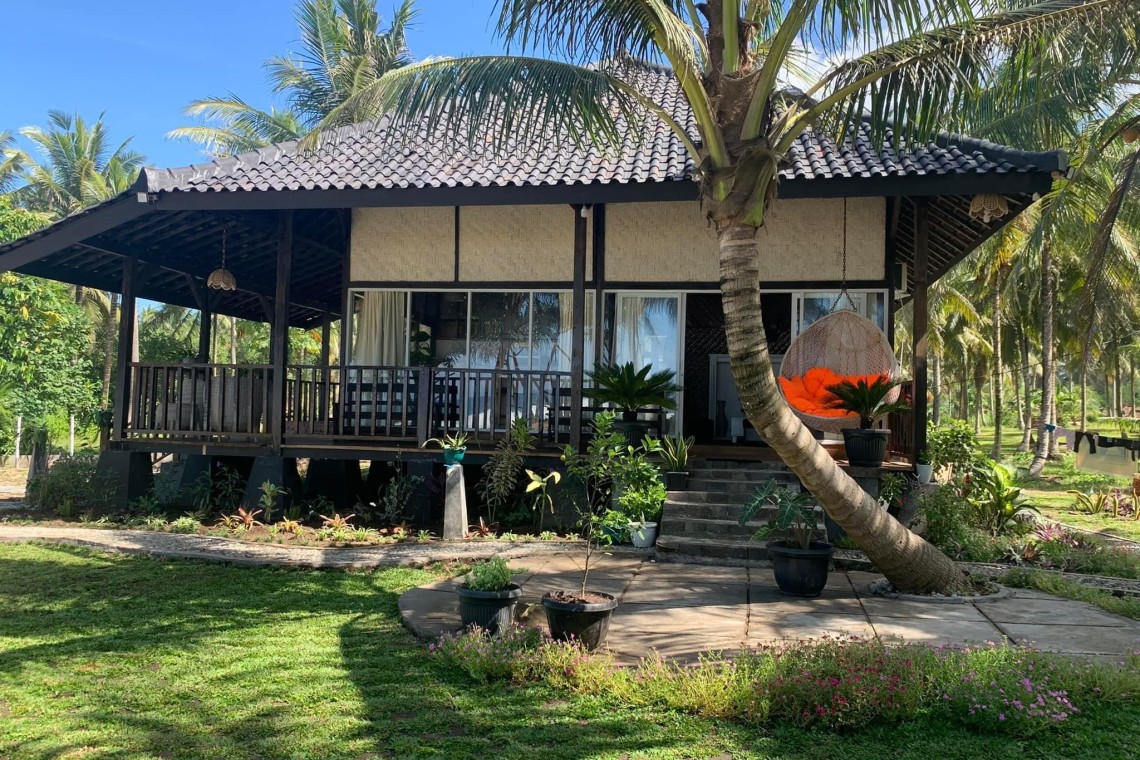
pixel 216 549
pixel 684 610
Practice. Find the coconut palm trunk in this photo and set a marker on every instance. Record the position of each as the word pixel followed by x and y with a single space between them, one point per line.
pixel 998 371
pixel 897 552
pixel 1048 372
pixel 936 388
pixel 1027 389
pixel 110 339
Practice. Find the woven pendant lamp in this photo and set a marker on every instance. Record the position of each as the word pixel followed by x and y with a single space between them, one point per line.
pixel 222 278
pixel 988 206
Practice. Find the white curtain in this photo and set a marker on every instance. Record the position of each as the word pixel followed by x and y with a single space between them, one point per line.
pixel 380 329
pixel 631 312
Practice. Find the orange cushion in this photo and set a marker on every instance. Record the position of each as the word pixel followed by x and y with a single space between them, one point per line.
pixel 808 393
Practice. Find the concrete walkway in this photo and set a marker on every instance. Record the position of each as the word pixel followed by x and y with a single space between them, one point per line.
pixel 684 610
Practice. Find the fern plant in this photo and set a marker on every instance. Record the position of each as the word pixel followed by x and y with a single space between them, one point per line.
pixel 502 473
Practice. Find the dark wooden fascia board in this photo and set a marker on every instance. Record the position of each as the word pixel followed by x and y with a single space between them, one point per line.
pixel 71 231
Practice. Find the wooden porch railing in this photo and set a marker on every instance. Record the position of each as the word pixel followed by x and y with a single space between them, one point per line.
pixel 207 401
pixel 330 405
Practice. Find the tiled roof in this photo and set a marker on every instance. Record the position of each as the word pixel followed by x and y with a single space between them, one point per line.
pixel 367 157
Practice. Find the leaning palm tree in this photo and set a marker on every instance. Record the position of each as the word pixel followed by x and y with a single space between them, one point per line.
pixel 345 48
pixel 78 165
pixel 923 62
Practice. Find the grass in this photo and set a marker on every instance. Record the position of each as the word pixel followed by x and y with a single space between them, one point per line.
pixel 1052 583
pixel 1049 493
pixel 122 656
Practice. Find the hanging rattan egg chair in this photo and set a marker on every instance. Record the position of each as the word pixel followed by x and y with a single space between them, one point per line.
pixel 848 344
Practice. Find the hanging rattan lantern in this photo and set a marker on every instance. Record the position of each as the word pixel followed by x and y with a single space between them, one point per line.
pixel 988 206
pixel 1131 135
pixel 222 278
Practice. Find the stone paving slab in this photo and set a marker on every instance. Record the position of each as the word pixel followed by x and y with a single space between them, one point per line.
pixel 683 611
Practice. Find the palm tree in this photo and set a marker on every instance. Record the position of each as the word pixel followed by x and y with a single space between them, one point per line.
pixel 11 161
pixel 344 49
pixel 923 63
pixel 78 165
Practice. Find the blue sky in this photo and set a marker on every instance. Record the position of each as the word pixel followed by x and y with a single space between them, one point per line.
pixel 142 61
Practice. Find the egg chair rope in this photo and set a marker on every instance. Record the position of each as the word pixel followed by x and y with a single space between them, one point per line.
pixel 844 342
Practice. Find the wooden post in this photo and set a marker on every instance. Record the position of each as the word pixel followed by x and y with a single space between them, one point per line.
pixel 131 272
pixel 279 340
pixel 599 279
pixel 921 318
pixel 324 372
pixel 578 337
pixel 207 317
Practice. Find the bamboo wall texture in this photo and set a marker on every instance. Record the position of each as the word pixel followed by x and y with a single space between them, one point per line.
pixel 802 240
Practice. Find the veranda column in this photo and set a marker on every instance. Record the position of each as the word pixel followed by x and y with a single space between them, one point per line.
pixel 921 318
pixel 279 342
pixel 578 337
pixel 127 321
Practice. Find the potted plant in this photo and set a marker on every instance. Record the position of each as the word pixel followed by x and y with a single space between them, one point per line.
pixel 487 597
pixel 923 468
pixel 800 563
pixel 866 447
pixel 580 614
pixel 454 447
pixel 642 532
pixel 675 455
pixel 631 390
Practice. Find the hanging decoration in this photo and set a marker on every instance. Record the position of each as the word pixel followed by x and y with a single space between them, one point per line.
pixel 222 278
pixel 988 206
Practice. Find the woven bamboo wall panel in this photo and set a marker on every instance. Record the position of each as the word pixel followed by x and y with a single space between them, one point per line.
pixel 802 240
pixel 517 243
pixel 396 244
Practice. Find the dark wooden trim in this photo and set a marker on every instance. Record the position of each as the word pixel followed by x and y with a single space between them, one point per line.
pixel 921 320
pixel 766 285
pixel 966 183
pixel 578 336
pixel 122 399
pixel 347 306
pixel 280 329
pixel 269 310
pixel 205 325
pixel 456 222
pixel 73 230
pixel 465 285
pixel 599 265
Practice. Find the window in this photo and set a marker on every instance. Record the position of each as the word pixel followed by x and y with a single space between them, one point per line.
pixel 815 305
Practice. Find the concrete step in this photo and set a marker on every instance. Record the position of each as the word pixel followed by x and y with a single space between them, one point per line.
pixel 715 550
pixel 735 465
pixel 730 486
pixel 706 511
pixel 731 473
pixel 692 527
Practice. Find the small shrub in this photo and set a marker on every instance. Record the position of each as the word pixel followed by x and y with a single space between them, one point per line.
pixel 67 487
pixel 492 575
pixel 952 446
pixel 184 524
pixel 398 493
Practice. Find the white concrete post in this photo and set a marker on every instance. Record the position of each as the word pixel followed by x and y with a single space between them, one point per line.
pixel 71 437
pixel 19 434
pixel 454 505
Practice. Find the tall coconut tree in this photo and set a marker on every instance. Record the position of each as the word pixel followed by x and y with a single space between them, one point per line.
pixel 77 165
pixel 915 63
pixel 11 161
pixel 344 48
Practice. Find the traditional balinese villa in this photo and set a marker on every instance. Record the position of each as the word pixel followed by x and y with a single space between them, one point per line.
pixel 484 286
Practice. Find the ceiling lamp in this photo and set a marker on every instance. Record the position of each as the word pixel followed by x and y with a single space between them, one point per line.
pixel 222 278
pixel 988 206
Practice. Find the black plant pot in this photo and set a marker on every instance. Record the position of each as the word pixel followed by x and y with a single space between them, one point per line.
pixel 490 610
pixel 586 624
pixel 801 572
pixel 866 448
pixel 676 481
pixel 634 429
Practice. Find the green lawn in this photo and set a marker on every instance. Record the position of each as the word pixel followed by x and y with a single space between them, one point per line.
pixel 1049 493
pixel 115 656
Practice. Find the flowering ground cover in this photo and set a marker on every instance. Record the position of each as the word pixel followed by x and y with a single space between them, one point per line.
pixel 122 656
